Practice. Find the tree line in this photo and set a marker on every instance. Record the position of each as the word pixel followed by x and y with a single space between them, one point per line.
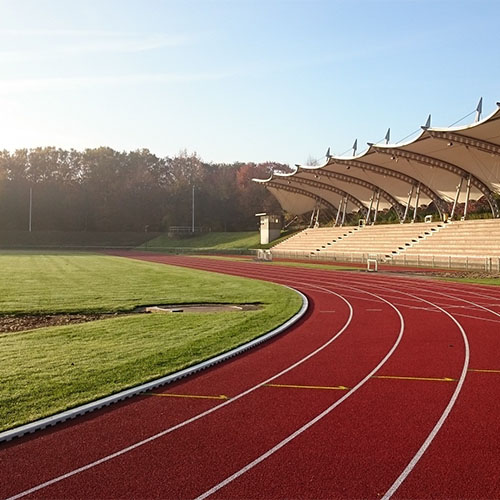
pixel 106 190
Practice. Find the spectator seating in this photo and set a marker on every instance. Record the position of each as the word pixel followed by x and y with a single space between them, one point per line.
pixel 355 243
pixel 312 240
pixel 471 244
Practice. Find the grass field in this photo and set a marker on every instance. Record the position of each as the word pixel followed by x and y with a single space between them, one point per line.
pixel 54 368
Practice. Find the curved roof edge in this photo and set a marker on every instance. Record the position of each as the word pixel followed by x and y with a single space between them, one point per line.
pixel 483 172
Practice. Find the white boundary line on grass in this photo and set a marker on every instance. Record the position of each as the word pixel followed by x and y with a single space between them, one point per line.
pixel 153 384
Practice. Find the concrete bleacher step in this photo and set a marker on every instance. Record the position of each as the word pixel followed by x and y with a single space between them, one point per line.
pixel 475 239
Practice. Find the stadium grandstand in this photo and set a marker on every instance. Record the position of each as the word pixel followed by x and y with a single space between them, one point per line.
pixel 440 172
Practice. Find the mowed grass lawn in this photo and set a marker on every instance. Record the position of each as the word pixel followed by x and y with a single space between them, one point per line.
pixel 50 369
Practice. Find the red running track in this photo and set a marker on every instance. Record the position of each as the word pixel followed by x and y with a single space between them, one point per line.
pixel 413 368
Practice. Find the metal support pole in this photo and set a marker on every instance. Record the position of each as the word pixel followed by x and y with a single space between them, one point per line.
pixel 370 208
pixel 410 195
pixel 345 209
pixel 338 212
pixel 417 199
pixel 31 208
pixel 467 195
pixel 312 217
pixel 316 223
pixel 459 188
pixel 376 207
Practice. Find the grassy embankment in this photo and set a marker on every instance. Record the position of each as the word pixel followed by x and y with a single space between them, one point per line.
pixel 50 369
pixel 210 241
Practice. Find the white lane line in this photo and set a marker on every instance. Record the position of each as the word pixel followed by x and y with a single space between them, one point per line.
pixel 398 281
pixel 413 462
pixel 316 419
pixel 192 419
pixel 416 458
pixel 430 437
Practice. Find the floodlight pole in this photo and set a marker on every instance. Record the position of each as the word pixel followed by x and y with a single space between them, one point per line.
pixel 192 211
pixel 31 209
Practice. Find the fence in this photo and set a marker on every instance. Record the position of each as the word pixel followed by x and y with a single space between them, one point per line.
pixel 461 262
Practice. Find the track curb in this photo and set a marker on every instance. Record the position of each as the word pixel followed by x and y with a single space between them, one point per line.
pixel 153 384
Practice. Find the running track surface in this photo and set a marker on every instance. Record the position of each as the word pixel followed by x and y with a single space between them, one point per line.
pixel 389 387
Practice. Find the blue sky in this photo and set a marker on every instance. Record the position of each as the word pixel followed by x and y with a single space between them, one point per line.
pixel 238 80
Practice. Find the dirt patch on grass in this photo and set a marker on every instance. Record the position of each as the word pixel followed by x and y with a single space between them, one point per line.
pixel 13 323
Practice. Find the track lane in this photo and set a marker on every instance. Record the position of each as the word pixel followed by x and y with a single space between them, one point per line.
pixel 445 467
pixel 456 392
pixel 366 397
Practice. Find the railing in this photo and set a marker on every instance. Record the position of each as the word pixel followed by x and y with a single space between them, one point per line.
pixel 471 263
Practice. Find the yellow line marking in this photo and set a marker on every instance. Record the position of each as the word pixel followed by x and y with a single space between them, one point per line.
pixel 289 386
pixel 432 379
pixel 484 371
pixel 194 396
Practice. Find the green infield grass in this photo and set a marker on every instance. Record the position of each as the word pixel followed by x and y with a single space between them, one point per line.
pixel 50 369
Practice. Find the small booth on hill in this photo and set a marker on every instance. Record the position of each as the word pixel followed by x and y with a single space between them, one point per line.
pixel 270 227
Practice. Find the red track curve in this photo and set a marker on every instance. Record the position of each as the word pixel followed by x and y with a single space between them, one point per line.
pixel 358 449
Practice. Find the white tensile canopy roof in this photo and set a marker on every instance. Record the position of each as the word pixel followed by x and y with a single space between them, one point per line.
pixel 441 165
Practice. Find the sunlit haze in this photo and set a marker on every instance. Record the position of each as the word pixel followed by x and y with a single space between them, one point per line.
pixel 256 80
